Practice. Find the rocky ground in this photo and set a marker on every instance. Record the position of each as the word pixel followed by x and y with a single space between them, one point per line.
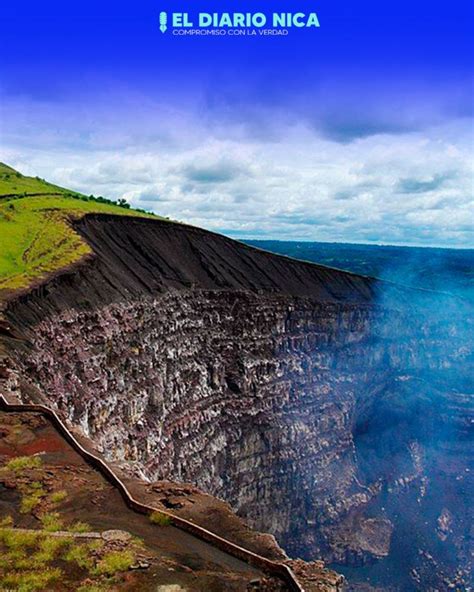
pixel 46 487
pixel 327 409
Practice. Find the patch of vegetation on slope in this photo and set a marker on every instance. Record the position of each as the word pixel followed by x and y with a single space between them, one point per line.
pixel 36 238
pixel 13 183
pixel 54 555
pixel 64 528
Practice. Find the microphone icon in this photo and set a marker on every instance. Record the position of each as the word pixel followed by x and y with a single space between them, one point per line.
pixel 163 21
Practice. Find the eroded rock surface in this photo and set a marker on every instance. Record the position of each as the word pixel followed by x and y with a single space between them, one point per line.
pixel 306 398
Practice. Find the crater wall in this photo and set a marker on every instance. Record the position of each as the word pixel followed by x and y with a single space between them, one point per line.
pixel 303 396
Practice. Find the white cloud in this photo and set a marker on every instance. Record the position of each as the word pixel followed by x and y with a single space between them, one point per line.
pixel 404 187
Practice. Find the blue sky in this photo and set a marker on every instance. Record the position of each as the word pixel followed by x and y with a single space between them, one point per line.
pixel 358 131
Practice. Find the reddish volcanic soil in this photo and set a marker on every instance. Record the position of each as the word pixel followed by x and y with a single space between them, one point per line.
pixel 174 557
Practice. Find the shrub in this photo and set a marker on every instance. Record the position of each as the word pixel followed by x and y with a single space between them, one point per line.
pixel 114 562
pixel 58 496
pixel 30 500
pixel 95 545
pixel 51 522
pixel 15 559
pixel 36 486
pixel 48 549
pixel 79 527
pixel 20 463
pixel 6 522
pixel 18 540
pixel 32 495
pixel 138 542
pixel 93 588
pixel 80 555
pixel 29 581
pixel 160 519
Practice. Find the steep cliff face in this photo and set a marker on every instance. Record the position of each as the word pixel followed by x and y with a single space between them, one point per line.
pixel 304 396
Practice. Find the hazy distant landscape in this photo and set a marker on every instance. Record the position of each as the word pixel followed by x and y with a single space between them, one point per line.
pixel 334 416
pixel 447 270
pixel 413 408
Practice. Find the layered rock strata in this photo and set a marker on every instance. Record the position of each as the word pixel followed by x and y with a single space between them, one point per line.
pixel 303 396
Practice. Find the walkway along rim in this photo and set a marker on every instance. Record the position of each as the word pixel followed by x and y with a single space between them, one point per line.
pixel 278 569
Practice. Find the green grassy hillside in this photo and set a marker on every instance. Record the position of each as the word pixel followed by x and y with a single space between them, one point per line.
pixel 14 183
pixel 36 238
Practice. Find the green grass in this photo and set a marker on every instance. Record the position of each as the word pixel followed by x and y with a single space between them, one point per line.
pixel 79 527
pixel 32 494
pixel 30 501
pixel 114 562
pixel 160 519
pixel 49 548
pixel 20 463
pixel 37 560
pixel 35 236
pixel 6 522
pixel 94 588
pixel 13 182
pixel 51 522
pixel 80 554
pixel 29 560
pixel 29 581
pixel 57 497
pixel 15 540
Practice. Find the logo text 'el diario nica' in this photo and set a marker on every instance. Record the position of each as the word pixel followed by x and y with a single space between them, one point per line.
pixel 236 20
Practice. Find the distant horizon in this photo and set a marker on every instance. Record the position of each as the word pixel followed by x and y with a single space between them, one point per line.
pixel 439 269
pixel 360 130
pixel 235 236
pixel 276 240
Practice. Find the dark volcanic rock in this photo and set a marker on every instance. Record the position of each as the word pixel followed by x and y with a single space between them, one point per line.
pixel 304 396
pixel 134 257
